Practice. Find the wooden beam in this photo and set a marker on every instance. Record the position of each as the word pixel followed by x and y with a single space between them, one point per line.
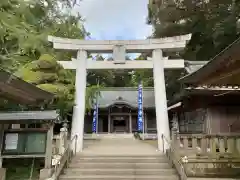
pixel 23 156
pixel 1 143
pixel 106 46
pixel 138 64
pixel 48 153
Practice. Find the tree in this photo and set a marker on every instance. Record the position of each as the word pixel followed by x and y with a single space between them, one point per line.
pixel 48 75
pixel 24 49
pixel 213 25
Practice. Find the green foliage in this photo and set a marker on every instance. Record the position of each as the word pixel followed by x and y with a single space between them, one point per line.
pixel 145 76
pixel 58 89
pixel 24 49
pixel 48 75
pixel 21 169
pixel 213 24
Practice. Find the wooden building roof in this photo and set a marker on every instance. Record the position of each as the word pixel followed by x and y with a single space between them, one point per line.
pixel 217 82
pixel 223 69
pixel 124 95
pixel 18 90
pixel 193 66
pixel 29 116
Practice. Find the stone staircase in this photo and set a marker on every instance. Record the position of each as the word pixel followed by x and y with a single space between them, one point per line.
pixel 119 159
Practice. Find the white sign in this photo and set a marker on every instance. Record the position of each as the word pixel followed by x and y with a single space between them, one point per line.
pixel 11 141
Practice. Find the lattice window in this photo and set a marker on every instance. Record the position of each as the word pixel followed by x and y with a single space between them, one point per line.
pixel 192 122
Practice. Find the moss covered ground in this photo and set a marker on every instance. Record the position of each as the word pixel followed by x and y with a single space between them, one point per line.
pixel 20 169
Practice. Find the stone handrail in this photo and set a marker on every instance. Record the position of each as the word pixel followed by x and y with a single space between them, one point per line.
pixel 65 158
pixel 209 143
pixel 174 159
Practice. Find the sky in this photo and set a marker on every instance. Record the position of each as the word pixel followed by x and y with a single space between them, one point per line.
pixel 115 19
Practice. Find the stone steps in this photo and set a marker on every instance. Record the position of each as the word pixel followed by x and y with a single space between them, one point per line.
pixel 108 136
pixel 123 159
pixel 125 167
pixel 126 171
pixel 117 165
pixel 119 177
pixel 118 158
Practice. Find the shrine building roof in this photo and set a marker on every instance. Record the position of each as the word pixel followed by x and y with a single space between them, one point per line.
pixel 125 95
pixel 223 69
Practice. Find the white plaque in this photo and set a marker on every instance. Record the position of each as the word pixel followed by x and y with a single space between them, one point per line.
pixel 11 141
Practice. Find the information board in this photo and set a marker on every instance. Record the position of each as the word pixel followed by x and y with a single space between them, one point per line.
pixel 11 141
pixel 22 143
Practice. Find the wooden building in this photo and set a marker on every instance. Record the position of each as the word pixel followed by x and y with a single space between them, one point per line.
pixel 19 91
pixel 118 111
pixel 118 108
pixel 25 134
pixel 205 117
pixel 209 98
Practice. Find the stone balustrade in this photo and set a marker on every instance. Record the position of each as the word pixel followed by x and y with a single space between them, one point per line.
pixel 209 144
pixel 205 155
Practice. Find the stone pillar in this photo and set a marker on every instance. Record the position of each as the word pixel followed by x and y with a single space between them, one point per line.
pixel 63 139
pixel 160 99
pixel 2 173
pixel 79 108
pixel 45 174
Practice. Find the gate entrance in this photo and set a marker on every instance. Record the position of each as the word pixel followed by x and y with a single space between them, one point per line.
pixel 119 49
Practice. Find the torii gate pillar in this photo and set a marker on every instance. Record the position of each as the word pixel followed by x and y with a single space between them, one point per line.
pixel 158 63
pixel 160 100
pixel 80 94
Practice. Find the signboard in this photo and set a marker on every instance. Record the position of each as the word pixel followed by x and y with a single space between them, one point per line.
pixel 11 141
pixel 21 143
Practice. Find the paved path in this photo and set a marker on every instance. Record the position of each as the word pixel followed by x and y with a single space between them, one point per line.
pixel 118 146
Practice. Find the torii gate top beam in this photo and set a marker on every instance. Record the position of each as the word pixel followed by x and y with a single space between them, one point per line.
pixel 132 46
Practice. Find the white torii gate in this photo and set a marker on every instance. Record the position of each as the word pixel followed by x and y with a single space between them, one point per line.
pixel 119 49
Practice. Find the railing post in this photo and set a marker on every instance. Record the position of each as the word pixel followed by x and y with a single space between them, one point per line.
pixel 63 139
pixel 75 149
pixel 238 145
pixel 230 144
pixel 185 142
pixel 175 141
pixel 204 144
pixel 163 148
pixel 194 143
pixel 222 145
